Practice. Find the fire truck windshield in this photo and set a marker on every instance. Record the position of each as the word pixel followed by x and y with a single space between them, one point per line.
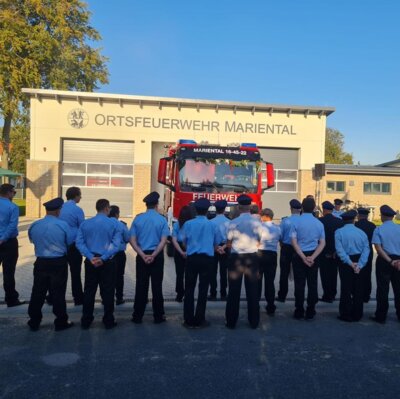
pixel 217 176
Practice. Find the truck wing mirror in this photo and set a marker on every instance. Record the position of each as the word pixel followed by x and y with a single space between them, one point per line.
pixel 162 171
pixel 270 176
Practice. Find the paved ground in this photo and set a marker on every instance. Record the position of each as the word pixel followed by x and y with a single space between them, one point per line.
pixel 283 358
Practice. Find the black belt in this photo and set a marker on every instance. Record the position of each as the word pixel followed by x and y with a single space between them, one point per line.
pixel 55 258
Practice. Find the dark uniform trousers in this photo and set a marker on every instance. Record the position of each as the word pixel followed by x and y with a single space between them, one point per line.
pixel 49 274
pixel 198 265
pixel 247 265
pixel 180 263
pixel 302 274
pixel 75 264
pixel 104 277
pixel 386 274
pixel 351 291
pixel 120 261
pixel 145 272
pixel 368 276
pixel 268 264
pixel 328 270
pixel 285 261
pixel 8 258
pixel 222 261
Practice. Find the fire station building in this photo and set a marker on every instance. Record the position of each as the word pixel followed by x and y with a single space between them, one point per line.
pixel 109 144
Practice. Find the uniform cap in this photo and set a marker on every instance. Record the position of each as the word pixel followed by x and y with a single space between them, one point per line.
pixel 349 215
pixel 337 201
pixel 328 205
pixel 54 204
pixel 151 198
pixel 202 204
pixel 363 211
pixel 295 204
pixel 386 210
pixel 244 199
pixel 220 204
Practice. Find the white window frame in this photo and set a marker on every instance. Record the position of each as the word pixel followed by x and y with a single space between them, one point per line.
pixel 336 190
pixel 377 192
pixel 274 189
pixel 109 175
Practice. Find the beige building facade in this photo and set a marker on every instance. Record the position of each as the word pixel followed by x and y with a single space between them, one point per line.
pixel 366 186
pixel 109 145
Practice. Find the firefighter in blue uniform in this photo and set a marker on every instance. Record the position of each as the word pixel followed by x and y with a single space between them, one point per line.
pixel 328 261
pixel 352 248
pixel 220 259
pixel 99 239
pixel 308 240
pixel 287 250
pixel 185 214
pixel 267 252
pixel 120 256
pixel 51 238
pixel 386 239
pixel 9 214
pixel 243 238
pixel 73 215
pixel 149 232
pixel 368 228
pixel 337 212
pixel 201 239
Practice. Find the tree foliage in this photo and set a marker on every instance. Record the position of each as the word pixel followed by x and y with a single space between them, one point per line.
pixel 334 148
pixel 45 44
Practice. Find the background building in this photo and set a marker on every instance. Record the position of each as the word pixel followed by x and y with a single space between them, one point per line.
pixel 109 145
pixel 368 186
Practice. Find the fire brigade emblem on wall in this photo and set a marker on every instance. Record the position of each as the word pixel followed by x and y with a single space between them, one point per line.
pixel 78 118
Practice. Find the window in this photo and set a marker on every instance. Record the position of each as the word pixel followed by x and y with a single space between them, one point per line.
pixel 377 188
pixel 285 180
pixel 87 174
pixel 336 186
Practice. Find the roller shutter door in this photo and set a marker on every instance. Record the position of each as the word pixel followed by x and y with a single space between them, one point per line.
pixel 286 163
pixel 102 169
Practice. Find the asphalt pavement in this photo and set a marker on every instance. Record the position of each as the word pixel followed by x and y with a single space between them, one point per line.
pixel 283 358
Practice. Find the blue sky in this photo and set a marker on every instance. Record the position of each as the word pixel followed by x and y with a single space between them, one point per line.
pixel 338 53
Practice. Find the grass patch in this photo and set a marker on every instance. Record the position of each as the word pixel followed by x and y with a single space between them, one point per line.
pixel 21 205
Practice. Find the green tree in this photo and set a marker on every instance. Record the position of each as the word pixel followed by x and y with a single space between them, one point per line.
pixel 334 148
pixel 44 44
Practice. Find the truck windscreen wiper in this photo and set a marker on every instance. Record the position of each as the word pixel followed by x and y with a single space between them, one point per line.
pixel 194 186
pixel 241 186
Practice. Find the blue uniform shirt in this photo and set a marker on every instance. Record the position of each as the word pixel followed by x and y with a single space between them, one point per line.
pixel 99 235
pixel 177 232
pixel 51 237
pixel 124 234
pixel 270 237
pixel 149 228
pixel 73 215
pixel 388 236
pixel 9 214
pixel 308 231
pixel 222 223
pixel 200 236
pixel 337 214
pixel 350 240
pixel 245 233
pixel 286 226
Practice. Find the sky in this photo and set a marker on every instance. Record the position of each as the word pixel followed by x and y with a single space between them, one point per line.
pixel 343 54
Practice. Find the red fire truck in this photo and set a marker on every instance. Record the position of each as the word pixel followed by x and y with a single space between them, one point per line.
pixel 192 171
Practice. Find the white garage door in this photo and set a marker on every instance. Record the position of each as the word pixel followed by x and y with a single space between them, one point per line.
pixel 102 169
